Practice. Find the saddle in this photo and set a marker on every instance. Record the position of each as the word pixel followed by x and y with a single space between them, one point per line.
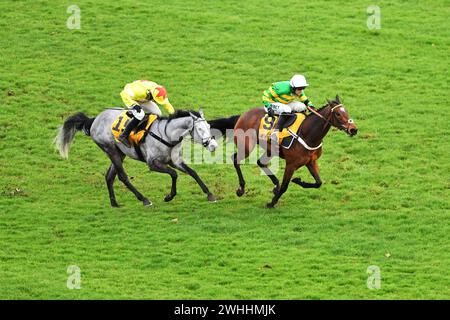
pixel 137 136
pixel 268 124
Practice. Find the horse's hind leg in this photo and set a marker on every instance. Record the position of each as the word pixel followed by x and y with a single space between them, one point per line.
pixel 110 177
pixel 263 164
pixel 117 160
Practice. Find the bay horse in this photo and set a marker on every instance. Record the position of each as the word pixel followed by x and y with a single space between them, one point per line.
pixel 305 150
pixel 161 150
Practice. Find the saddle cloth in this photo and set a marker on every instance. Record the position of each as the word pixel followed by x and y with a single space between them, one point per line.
pixel 268 124
pixel 138 133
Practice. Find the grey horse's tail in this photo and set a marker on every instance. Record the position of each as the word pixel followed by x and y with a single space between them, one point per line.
pixel 67 132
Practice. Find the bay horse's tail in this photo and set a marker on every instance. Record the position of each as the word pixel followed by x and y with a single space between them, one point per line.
pixel 223 124
pixel 67 132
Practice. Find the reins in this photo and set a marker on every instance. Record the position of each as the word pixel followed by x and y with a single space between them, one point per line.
pixel 327 121
pixel 168 144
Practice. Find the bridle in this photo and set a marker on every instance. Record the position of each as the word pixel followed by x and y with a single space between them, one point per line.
pixel 205 141
pixel 171 144
pixel 329 119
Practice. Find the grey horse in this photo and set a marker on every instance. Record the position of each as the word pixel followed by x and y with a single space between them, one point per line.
pixel 161 149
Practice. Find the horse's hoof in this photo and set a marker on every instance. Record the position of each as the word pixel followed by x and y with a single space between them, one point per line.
pixel 147 203
pixel 211 198
pixel 270 205
pixel 240 191
pixel 168 198
pixel 115 205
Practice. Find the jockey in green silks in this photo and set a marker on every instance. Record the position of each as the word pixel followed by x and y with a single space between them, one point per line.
pixel 285 97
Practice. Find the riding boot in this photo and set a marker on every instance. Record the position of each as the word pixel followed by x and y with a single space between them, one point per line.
pixel 278 129
pixel 124 135
pixel 282 120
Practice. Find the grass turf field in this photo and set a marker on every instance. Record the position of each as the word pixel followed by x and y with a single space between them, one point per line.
pixel 385 197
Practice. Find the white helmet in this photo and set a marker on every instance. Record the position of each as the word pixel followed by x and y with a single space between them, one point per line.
pixel 298 81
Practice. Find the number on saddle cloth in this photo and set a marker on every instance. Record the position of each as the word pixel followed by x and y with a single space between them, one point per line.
pixel 268 125
pixel 268 122
pixel 137 135
pixel 120 123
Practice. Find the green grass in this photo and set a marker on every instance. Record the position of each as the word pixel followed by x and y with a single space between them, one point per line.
pixel 385 197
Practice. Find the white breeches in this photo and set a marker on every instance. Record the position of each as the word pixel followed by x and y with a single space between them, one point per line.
pixel 151 107
pixel 147 107
pixel 295 106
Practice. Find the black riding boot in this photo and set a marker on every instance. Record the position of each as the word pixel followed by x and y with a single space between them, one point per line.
pixel 282 119
pixel 124 135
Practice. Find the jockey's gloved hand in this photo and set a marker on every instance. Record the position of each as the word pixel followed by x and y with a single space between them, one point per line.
pixel 136 107
pixel 270 112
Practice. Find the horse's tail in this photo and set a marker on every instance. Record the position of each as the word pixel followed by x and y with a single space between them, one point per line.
pixel 68 130
pixel 223 124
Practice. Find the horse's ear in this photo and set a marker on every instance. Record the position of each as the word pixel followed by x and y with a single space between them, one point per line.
pixel 201 113
pixel 193 115
pixel 338 100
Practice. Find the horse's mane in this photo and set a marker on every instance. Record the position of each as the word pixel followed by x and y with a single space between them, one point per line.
pixel 180 114
pixel 322 107
pixel 329 103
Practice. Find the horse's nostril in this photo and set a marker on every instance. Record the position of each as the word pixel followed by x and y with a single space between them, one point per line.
pixel 353 131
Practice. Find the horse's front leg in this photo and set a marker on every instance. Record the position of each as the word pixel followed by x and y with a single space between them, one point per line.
pixel 186 169
pixel 314 170
pixel 177 162
pixel 288 172
pixel 158 166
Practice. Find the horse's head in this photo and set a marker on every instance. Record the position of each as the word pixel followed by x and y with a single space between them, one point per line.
pixel 201 132
pixel 338 117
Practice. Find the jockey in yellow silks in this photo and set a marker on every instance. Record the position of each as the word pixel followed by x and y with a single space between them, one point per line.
pixel 143 96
